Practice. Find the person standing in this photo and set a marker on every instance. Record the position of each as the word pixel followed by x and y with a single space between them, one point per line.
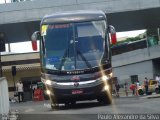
pixel 137 87
pixel 159 83
pixel 126 88
pixel 19 87
pixel 117 86
pixel 157 78
pixel 133 87
pixel 146 85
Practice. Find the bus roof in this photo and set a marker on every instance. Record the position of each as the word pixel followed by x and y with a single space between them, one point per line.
pixel 73 16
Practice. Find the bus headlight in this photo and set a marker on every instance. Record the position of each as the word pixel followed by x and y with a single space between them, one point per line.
pixel 106 88
pixel 48 92
pixel 104 78
pixel 48 82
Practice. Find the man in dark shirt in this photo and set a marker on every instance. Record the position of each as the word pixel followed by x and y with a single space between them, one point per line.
pixel 146 85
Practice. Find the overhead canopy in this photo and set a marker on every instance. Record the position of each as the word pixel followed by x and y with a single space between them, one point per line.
pixel 122 21
pixel 19 32
pixel 135 20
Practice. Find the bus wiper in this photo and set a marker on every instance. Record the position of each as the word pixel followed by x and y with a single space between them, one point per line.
pixel 78 53
pixel 63 59
pixel 84 59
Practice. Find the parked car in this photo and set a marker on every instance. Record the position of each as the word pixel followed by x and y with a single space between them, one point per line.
pixel 152 87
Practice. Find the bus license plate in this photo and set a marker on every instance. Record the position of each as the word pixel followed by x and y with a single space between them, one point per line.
pixel 77 92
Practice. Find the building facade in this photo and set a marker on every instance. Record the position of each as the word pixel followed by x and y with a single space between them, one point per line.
pixel 136 65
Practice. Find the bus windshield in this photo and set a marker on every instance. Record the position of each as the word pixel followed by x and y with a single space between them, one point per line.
pixel 73 46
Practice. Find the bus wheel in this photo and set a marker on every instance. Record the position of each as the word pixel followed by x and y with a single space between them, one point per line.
pixel 105 99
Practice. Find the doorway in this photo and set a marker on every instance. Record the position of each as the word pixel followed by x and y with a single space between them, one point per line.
pixel 29 84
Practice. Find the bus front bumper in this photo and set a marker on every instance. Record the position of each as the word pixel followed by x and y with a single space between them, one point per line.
pixel 78 94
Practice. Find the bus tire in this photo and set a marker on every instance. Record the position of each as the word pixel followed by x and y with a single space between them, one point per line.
pixel 105 99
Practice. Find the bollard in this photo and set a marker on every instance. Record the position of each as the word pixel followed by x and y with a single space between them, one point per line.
pixel 4 97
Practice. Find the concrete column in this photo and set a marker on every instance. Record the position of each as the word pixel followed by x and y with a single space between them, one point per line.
pixel 4 98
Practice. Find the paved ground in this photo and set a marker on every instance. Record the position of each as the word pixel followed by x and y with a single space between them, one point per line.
pixel 89 109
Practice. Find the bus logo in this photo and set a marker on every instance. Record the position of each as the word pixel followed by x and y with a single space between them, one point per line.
pixel 76 84
pixel 76 78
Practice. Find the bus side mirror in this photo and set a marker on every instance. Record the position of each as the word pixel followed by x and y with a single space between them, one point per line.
pixel 113 34
pixel 35 36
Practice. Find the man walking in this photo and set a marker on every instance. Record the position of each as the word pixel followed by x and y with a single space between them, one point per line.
pixel 19 87
pixel 126 88
pixel 146 85
pixel 117 87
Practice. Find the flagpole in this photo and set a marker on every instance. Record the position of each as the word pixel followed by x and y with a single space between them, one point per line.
pixel 147 45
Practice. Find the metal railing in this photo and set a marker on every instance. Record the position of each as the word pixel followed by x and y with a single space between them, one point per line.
pixel 20 0
pixel 12 1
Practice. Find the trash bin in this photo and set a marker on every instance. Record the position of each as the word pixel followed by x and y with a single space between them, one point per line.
pixel 4 97
pixel 38 95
